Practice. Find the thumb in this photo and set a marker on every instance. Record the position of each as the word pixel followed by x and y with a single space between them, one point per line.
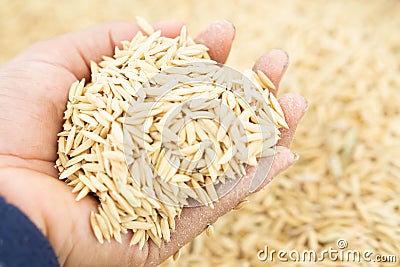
pixel 74 51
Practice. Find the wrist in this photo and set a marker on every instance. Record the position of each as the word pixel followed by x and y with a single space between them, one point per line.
pixel 22 242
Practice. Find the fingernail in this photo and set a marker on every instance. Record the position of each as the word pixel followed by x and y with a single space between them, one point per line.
pixel 295 157
pixel 282 55
pixel 305 107
pixel 221 22
pixel 287 60
pixel 224 21
pixel 230 22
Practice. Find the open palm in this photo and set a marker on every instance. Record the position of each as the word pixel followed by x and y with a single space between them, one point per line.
pixel 33 94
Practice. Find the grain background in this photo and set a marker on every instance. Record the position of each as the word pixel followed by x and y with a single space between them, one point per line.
pixel 345 58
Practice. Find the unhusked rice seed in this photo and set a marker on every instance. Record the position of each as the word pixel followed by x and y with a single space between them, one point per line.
pixel 157 124
pixel 210 230
pixel 241 204
pixel 176 256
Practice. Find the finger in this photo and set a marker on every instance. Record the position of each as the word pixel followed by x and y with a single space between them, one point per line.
pixel 274 64
pixel 218 37
pixel 195 219
pixel 294 106
pixel 74 51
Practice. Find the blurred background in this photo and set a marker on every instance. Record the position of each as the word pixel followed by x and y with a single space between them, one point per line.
pixel 344 58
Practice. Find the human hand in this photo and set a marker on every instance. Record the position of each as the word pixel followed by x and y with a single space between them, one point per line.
pixel 33 94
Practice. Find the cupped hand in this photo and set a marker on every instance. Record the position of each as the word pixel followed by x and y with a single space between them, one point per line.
pixel 33 95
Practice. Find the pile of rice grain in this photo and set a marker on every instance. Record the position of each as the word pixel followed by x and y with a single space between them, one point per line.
pixel 160 123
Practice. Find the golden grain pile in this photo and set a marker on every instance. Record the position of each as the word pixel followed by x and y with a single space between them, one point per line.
pixel 344 58
pixel 160 123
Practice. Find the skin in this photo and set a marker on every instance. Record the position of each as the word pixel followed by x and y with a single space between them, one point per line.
pixel 33 94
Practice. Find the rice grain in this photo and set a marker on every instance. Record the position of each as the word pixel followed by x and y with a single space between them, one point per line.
pixel 160 123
